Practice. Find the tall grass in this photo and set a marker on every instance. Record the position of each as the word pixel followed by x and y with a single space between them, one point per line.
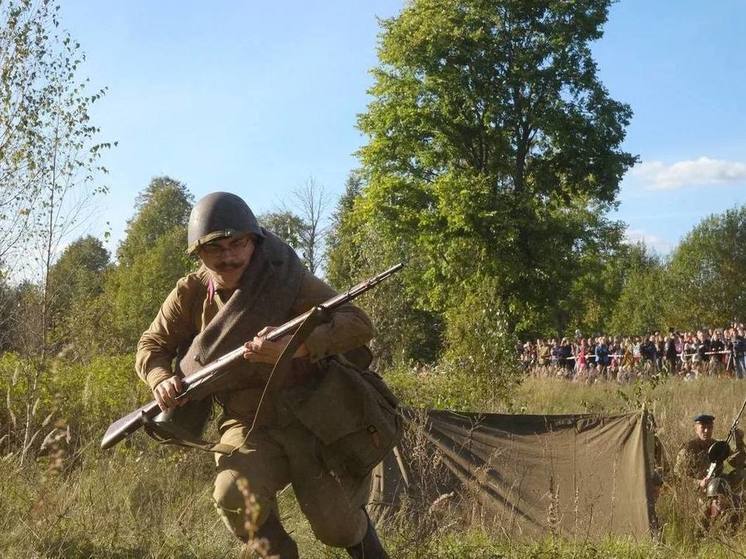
pixel 140 500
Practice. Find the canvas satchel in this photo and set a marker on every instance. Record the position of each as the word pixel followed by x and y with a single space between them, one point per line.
pixel 353 414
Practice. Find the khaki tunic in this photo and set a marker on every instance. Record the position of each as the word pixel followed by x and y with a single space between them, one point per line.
pixel 189 308
pixel 283 452
pixel 692 460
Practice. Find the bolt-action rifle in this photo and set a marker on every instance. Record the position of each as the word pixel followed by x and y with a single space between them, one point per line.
pixel 719 451
pixel 124 427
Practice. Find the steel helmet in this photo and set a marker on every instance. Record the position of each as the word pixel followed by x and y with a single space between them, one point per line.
pixel 218 216
pixel 717 486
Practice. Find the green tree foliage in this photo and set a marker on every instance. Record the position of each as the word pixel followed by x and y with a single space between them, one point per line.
pixel 640 306
pixel 342 256
pixel 48 149
pixel 49 154
pixel 494 151
pixel 34 58
pixel 75 281
pixel 286 225
pixel 6 311
pixel 478 337
pixel 357 249
pixel 598 275
pixel 25 327
pixel 706 273
pixel 152 257
pixel 160 209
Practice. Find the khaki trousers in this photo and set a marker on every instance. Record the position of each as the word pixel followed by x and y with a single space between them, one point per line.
pixel 282 455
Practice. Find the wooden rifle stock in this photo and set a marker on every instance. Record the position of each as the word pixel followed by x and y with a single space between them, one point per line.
pixel 125 426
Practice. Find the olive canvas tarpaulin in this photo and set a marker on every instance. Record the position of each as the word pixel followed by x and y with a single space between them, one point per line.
pixel 576 476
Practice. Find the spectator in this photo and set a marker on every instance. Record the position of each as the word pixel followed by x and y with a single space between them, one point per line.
pixel 695 355
pixel 637 350
pixel 649 353
pixel 669 350
pixel 592 354
pixel 739 350
pixel 556 353
pixel 717 350
pixel 627 364
pixel 544 353
pixel 566 361
pixel 602 357
pixel 527 356
pixel 615 348
pixel 660 343
pixel 580 358
pixel 703 351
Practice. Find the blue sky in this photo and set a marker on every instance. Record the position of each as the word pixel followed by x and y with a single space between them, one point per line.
pixel 255 98
pixel 680 65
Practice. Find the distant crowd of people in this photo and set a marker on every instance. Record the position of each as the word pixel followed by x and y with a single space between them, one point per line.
pixel 689 355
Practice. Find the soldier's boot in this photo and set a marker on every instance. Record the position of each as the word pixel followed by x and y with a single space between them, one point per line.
pixel 370 547
pixel 279 541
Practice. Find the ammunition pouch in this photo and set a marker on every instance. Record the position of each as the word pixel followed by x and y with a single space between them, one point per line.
pixel 352 412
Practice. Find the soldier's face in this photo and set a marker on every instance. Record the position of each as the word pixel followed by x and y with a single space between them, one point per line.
pixel 703 430
pixel 227 259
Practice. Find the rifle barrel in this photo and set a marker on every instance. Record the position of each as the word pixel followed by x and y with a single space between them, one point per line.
pixel 732 432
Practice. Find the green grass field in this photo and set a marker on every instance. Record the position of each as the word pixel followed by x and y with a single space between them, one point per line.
pixel 142 500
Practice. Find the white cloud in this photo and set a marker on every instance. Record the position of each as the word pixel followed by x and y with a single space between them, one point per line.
pixel 658 244
pixel 697 172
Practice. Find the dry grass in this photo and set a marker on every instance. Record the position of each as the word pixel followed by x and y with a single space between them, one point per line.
pixel 118 506
pixel 143 501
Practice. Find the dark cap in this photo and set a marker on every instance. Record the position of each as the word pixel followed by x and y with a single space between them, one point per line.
pixel 704 418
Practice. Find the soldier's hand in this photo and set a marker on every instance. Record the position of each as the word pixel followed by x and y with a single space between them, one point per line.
pixel 703 482
pixel 738 436
pixel 262 350
pixel 166 391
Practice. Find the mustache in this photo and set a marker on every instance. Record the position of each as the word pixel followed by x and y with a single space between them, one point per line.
pixel 227 266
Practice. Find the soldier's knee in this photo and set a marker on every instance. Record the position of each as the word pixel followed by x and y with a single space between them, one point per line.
pixel 226 493
pixel 336 536
pixel 230 503
pixel 332 530
pixel 232 506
